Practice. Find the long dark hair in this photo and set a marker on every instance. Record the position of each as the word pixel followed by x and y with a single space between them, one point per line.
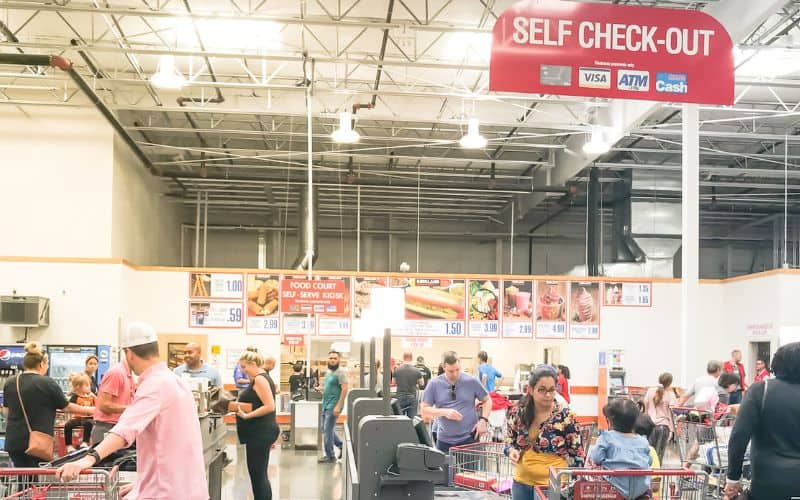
pixel 526 402
pixel 564 371
pixel 665 379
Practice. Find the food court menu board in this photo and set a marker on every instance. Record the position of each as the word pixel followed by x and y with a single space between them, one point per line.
pixel 518 302
pixel 484 308
pixel 338 324
pixel 551 309
pixel 435 307
pixel 296 323
pixel 216 286
pixel 584 316
pixel 628 294
pixel 215 314
pixel 263 296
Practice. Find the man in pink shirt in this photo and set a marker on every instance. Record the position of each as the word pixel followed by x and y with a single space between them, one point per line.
pixel 113 396
pixel 162 419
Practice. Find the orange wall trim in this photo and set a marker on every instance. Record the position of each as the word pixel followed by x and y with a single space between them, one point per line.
pixel 583 390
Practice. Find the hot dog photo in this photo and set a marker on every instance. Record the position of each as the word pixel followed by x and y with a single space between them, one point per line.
pixel 436 299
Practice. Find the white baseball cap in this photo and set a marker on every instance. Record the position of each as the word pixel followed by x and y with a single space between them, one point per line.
pixel 138 333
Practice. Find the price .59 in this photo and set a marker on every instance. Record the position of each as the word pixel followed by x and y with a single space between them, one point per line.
pixel 235 315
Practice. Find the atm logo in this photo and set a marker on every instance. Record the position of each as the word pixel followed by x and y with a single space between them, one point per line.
pixel 672 83
pixel 594 78
pixel 634 81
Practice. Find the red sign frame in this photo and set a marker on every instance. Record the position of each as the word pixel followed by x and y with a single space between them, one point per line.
pixel 302 296
pixel 612 51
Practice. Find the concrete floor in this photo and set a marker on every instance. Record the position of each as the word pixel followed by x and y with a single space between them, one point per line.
pixel 294 475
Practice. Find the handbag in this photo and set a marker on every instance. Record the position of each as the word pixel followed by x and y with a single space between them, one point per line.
pixel 40 444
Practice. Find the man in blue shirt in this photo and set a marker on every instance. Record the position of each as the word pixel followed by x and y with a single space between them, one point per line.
pixel 194 366
pixel 487 373
pixel 334 392
pixel 451 397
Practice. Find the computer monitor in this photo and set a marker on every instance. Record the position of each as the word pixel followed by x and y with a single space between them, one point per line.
pixel 422 432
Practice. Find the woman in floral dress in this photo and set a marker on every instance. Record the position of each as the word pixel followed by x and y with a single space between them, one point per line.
pixel 543 434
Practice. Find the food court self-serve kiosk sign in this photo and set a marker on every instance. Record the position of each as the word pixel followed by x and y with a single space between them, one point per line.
pixel 612 51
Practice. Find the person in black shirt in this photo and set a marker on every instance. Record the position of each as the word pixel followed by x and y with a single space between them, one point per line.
pixel 90 368
pixel 426 372
pixel 257 429
pixel 41 397
pixel 408 379
pixel 768 418
pixel 297 382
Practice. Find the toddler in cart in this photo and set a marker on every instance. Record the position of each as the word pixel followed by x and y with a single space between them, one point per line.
pixel 82 396
pixel 622 449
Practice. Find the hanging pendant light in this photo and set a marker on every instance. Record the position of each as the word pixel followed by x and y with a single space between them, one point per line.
pixel 345 133
pixel 473 139
pixel 167 76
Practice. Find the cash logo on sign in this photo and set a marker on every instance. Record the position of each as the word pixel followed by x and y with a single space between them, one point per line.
pixel 672 83
pixel 594 78
pixel 635 81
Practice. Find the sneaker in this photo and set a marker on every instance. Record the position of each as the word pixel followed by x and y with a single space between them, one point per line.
pixel 339 455
pixel 326 460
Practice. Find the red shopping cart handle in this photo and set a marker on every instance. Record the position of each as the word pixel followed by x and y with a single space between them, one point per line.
pixel 13 472
pixel 628 473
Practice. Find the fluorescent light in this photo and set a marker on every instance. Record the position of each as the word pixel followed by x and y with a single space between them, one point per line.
pixel 345 133
pixel 167 76
pixel 470 47
pixel 766 62
pixel 228 34
pixel 473 139
pixel 597 144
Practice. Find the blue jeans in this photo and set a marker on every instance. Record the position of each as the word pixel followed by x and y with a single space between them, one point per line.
pixel 521 491
pixel 330 439
pixel 408 404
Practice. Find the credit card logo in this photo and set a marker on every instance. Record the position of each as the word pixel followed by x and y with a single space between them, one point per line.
pixel 594 78
pixel 634 81
pixel 558 76
pixel 672 83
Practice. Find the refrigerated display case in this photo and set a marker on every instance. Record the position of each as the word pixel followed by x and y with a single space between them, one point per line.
pixel 68 359
pixel 10 364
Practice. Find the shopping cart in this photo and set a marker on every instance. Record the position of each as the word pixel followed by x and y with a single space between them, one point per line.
pixel 481 466
pixel 588 432
pixel 41 484
pixel 703 442
pixel 595 484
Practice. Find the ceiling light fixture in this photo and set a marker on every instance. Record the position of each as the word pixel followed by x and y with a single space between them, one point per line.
pixel 597 144
pixel 345 133
pixel 766 62
pixel 473 139
pixel 167 76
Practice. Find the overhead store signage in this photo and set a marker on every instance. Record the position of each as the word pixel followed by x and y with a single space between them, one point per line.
pixel 304 296
pixel 628 294
pixel 612 51
pixel 584 321
pixel 435 307
pixel 216 286
pixel 263 294
pixel 484 308
pixel 337 325
pixel 215 314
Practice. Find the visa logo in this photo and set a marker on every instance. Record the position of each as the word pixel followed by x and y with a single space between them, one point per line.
pixel 596 78
pixel 635 81
pixel 672 83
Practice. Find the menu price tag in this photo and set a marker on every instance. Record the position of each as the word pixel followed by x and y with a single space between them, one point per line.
pixel 588 332
pixel 628 294
pixel 299 325
pixel 517 330
pixel 551 330
pixel 217 286
pixel 421 328
pixel 259 325
pixel 484 329
pixel 216 315
pixel 333 327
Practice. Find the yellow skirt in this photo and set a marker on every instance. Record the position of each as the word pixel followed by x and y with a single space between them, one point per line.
pixel 533 468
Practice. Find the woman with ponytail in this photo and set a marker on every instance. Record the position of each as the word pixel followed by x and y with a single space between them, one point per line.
pixel 657 405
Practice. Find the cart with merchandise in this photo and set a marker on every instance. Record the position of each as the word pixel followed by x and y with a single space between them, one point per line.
pixel 702 442
pixel 588 431
pixel 595 484
pixel 41 484
pixel 481 466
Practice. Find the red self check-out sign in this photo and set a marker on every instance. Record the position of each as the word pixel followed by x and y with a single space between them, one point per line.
pixel 612 51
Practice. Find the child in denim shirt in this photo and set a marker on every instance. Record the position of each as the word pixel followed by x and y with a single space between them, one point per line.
pixel 622 449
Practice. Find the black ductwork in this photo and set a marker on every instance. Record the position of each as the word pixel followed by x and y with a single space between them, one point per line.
pixel 307 218
pixel 593 226
pixel 625 248
pixel 65 65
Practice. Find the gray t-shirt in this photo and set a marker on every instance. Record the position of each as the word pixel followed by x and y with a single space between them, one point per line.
pixel 407 378
pixel 468 390
pixel 700 384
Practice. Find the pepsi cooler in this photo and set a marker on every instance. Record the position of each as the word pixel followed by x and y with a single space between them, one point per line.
pixel 68 359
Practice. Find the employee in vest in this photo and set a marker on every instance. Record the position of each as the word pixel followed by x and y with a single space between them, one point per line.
pixel 113 397
pixel 162 419
pixel 408 379
pixel 194 366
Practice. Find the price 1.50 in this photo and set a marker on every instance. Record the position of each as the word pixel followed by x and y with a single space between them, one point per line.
pixel 454 329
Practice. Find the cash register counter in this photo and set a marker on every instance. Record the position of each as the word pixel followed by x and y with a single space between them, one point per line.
pixel 213 431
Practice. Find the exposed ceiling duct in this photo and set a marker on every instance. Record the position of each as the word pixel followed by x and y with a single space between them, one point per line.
pixel 307 239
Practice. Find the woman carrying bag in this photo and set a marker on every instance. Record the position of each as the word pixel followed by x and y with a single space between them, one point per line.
pixel 31 400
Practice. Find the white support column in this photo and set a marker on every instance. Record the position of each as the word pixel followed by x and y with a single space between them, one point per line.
pixel 690 250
